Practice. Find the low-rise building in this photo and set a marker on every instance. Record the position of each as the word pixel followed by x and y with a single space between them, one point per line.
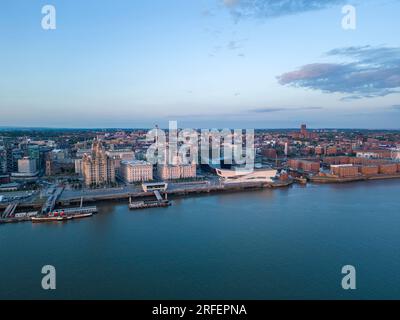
pixel 390 168
pixel 304 165
pixel 344 170
pixel 369 170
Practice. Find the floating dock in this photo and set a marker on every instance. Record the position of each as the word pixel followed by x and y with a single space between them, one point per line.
pixel 79 210
pixel 148 204
pixel 62 214
pixel 159 203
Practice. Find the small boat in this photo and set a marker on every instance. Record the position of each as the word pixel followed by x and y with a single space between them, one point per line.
pixel 82 215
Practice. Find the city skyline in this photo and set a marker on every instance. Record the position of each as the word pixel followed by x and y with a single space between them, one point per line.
pixel 210 63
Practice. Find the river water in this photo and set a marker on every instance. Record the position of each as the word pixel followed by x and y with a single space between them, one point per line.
pixel 269 244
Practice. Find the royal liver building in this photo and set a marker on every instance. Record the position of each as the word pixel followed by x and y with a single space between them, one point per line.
pixel 98 168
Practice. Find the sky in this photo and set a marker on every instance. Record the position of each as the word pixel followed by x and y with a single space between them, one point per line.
pixel 203 63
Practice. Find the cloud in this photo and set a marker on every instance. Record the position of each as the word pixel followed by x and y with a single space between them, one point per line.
pixel 370 72
pixel 270 110
pixel 275 8
pixel 267 110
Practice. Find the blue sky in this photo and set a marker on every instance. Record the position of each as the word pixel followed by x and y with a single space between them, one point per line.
pixel 205 63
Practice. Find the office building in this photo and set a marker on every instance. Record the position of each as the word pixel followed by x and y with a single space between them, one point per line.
pixel 136 171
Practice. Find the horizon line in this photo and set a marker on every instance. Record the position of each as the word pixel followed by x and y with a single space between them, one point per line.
pixel 198 128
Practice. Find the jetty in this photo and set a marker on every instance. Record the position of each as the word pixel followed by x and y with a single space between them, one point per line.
pixel 144 204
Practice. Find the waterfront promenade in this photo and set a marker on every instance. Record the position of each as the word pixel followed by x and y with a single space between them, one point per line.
pixel 177 188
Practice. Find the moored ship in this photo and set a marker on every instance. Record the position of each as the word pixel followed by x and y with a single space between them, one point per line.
pixel 50 219
pixel 60 217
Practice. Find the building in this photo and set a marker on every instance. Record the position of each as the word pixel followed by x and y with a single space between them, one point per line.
pixel 175 172
pixel 9 187
pixel 136 171
pixel 3 160
pixel 243 175
pixel 34 154
pixel 27 169
pixel 58 155
pixel 176 169
pixel 78 166
pixel 4 179
pixel 344 170
pixel 270 153
pixel 369 170
pixel 8 149
pixel 54 167
pixel 304 165
pixel 375 154
pixel 120 155
pixel 155 186
pixel 303 130
pixel 98 169
pixel 331 150
pixel 16 155
pixel 389 168
pixel 27 165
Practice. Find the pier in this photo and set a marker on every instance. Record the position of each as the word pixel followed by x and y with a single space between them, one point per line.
pixel 9 212
pixel 160 202
pixel 174 189
pixel 79 210
pixel 51 201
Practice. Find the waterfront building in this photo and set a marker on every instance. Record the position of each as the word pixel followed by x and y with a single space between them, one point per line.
pixel 178 171
pixel 97 168
pixel 136 171
pixel 304 165
pixel 239 175
pixel 344 170
pixel 369 170
pixel 388 168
